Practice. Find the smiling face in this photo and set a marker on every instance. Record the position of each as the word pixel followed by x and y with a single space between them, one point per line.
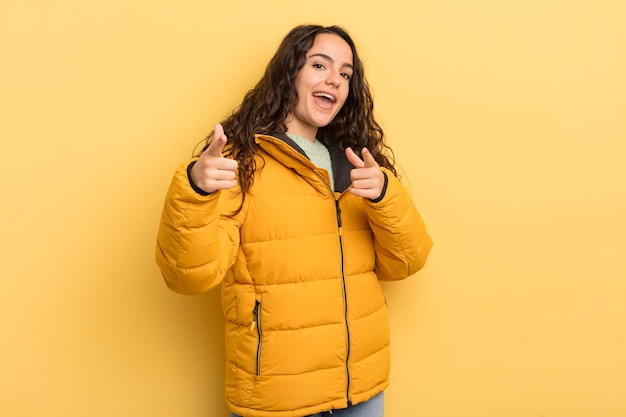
pixel 322 85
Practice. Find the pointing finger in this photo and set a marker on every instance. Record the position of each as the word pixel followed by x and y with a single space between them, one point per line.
pixel 368 159
pixel 354 158
pixel 218 142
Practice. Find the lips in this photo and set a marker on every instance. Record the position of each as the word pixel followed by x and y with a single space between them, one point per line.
pixel 324 100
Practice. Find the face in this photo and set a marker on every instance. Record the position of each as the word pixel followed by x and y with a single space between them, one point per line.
pixel 322 85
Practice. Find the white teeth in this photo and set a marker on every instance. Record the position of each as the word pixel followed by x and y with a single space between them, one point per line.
pixel 328 96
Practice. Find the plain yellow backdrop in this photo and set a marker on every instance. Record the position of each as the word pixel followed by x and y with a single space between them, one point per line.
pixel 509 123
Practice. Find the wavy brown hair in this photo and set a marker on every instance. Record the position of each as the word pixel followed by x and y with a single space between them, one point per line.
pixel 265 108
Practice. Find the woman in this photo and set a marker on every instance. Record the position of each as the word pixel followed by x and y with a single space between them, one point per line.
pixel 295 209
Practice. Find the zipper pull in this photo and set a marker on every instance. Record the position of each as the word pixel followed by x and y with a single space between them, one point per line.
pixel 339 223
pixel 255 314
pixel 338 210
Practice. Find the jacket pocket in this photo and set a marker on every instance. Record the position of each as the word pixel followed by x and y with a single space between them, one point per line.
pixel 256 324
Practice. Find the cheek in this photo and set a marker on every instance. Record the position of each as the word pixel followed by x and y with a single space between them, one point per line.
pixel 300 82
pixel 306 78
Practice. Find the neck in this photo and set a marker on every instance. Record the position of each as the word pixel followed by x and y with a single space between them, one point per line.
pixel 304 131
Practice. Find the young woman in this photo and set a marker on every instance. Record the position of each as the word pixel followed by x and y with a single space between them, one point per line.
pixel 294 207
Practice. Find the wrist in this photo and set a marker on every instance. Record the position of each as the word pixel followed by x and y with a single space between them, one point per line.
pixel 193 185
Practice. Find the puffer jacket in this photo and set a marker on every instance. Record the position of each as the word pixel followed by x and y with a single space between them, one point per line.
pixel 306 319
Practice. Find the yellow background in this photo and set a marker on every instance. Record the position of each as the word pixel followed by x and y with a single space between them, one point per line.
pixel 508 120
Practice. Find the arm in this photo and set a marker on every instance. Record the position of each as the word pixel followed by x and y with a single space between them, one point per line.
pixel 401 241
pixel 195 244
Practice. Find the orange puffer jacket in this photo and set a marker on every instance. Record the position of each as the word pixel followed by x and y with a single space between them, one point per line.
pixel 306 319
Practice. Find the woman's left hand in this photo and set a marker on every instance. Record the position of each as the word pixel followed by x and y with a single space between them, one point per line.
pixel 367 178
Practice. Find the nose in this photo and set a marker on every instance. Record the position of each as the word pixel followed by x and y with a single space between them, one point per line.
pixel 333 78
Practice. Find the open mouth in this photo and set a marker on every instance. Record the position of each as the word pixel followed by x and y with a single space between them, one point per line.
pixel 324 100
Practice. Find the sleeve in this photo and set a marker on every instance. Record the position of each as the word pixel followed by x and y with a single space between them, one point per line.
pixel 401 241
pixel 196 244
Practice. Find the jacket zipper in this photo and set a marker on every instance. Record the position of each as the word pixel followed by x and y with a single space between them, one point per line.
pixel 256 322
pixel 344 289
pixel 345 300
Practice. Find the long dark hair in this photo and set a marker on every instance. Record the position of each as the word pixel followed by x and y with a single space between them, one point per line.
pixel 265 108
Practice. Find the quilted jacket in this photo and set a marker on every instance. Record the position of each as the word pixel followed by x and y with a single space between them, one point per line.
pixel 299 267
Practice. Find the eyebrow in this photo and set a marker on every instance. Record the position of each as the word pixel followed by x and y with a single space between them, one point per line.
pixel 331 59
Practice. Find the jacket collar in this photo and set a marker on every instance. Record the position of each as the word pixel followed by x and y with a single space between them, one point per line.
pixel 287 152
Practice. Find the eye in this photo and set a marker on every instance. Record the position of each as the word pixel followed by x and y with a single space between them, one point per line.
pixel 318 66
pixel 346 75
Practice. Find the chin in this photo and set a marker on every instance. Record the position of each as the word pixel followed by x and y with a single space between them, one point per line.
pixel 325 122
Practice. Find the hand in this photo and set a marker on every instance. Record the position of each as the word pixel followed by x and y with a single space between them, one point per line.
pixel 367 178
pixel 213 172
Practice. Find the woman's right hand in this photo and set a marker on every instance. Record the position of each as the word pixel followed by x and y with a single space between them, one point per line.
pixel 213 172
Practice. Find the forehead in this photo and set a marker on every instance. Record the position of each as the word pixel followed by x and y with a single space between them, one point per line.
pixel 333 46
